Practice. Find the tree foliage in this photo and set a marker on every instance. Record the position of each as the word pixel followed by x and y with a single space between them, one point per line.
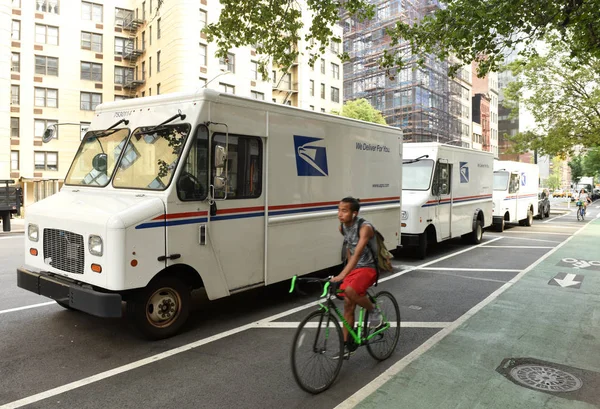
pixel 591 163
pixel 469 30
pixel 563 95
pixel 363 110
pixel 576 165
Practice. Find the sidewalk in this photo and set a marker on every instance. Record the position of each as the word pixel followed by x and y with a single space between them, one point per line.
pixel 547 335
pixel 17 226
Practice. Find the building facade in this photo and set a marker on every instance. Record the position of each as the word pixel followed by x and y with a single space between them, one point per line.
pixel 488 87
pixel 68 57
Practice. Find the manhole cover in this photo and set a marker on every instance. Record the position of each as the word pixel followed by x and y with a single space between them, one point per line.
pixel 545 378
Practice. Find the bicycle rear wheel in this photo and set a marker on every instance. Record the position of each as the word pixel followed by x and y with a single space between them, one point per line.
pixel 383 345
pixel 317 352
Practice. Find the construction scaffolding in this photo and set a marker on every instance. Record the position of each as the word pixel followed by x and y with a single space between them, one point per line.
pixel 416 99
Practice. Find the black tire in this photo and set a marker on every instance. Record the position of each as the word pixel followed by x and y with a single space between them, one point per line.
pixel 548 212
pixel 422 246
pixel 317 349
pixel 499 227
pixel 529 220
pixel 476 236
pixel 383 345
pixel 171 296
pixel 65 305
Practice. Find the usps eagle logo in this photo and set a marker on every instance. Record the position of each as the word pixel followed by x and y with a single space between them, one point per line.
pixel 311 156
pixel 464 172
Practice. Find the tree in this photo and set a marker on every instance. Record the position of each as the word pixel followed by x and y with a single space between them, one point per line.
pixel 363 110
pixel 469 30
pixel 563 95
pixel 591 163
pixel 553 181
pixel 576 166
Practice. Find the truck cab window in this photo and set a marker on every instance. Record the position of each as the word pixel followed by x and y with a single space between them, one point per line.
pixel 513 186
pixel 244 166
pixel 193 179
pixel 441 181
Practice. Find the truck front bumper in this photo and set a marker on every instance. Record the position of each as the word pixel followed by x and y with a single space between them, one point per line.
pixel 409 239
pixel 68 292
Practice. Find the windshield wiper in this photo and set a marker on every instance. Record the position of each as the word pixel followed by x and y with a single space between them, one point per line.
pixel 158 127
pixel 415 160
pixel 119 123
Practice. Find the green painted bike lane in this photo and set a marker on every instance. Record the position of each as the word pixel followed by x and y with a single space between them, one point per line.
pixel 529 319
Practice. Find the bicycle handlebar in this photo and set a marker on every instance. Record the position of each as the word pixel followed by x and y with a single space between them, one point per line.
pixel 325 281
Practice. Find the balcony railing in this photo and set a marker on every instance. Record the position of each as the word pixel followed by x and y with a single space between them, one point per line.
pixel 47 6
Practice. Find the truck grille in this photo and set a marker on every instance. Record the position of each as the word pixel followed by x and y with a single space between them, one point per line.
pixel 64 250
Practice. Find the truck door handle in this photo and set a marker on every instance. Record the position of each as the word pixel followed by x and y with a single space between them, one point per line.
pixel 170 257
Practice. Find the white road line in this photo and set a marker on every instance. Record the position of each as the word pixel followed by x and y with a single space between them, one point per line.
pixel 400 365
pixel 403 324
pixel 519 247
pixel 493 280
pixel 483 270
pixel 155 358
pixel 557 217
pixel 557 226
pixel 525 238
pixel 535 232
pixel 27 307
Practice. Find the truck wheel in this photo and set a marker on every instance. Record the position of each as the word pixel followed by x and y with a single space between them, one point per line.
pixel 477 234
pixel 422 247
pixel 548 212
pixel 529 219
pixel 6 221
pixel 160 310
pixel 499 226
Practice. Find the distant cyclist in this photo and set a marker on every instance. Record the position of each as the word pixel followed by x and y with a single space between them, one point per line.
pixel 584 198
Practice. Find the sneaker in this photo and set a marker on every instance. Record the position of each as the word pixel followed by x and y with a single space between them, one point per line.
pixel 347 354
pixel 375 318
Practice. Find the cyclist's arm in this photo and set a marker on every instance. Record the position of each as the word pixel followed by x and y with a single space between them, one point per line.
pixel 366 233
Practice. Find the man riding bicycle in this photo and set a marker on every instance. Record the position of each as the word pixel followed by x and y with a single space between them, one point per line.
pixel 584 198
pixel 359 273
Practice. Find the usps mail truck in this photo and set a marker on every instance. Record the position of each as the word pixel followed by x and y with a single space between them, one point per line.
pixel 176 192
pixel 515 193
pixel 446 193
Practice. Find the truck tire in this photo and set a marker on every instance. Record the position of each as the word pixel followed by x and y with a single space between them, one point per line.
pixel 422 247
pixel 6 221
pixel 529 220
pixel 499 227
pixel 160 310
pixel 476 235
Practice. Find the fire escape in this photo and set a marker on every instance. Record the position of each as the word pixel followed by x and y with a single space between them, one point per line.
pixel 131 53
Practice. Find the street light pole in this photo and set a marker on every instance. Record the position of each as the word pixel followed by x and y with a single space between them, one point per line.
pixel 222 73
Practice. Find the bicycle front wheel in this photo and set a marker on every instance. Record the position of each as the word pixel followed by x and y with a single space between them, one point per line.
pixel 317 352
pixel 578 214
pixel 382 345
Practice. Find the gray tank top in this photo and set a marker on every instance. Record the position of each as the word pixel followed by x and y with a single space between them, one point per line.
pixel 351 241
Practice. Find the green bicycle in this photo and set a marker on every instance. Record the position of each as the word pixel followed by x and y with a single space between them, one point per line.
pixel 318 346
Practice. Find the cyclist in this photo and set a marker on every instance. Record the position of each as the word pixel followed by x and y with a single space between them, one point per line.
pixel 359 273
pixel 584 198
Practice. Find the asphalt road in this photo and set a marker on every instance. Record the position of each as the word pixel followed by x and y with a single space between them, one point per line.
pixel 235 352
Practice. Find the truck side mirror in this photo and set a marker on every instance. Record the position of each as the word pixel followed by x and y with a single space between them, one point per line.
pixel 49 133
pixel 220 157
pixel 99 162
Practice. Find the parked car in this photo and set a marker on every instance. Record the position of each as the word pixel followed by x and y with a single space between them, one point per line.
pixel 558 193
pixel 543 203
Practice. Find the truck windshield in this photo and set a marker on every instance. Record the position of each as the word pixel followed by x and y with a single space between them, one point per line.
pixel 96 157
pixel 500 180
pixel 417 175
pixel 150 157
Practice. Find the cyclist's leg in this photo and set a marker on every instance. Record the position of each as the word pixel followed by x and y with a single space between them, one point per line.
pixel 349 307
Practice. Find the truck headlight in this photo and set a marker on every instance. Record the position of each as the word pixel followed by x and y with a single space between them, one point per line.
pixel 404 215
pixel 95 245
pixel 33 232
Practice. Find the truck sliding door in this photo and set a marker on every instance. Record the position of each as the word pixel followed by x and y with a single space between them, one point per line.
pixel 442 189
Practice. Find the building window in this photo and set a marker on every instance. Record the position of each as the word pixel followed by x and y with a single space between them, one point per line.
pixel 144 11
pixel 150 35
pixel 226 88
pixel 14 160
pixel 322 65
pixel 335 94
pixel 202 22
pixel 15 62
pixel 14 127
pixel 46 65
pixel 312 107
pixel 202 82
pixel 91 41
pixel 47 6
pixel 123 17
pixel 323 110
pixel 149 67
pixel 46 34
pixel 335 71
pixel 335 47
pixel 158 89
pixel 274 77
pixel 123 75
pixel 322 91
pixel 257 95
pixel 16 4
pixel 286 81
pixel 46 97
pixel 121 98
pixel 254 70
pixel 89 101
pixel 158 29
pixel 91 11
pixel 143 40
pixel 123 45
pixel 83 128
pixel 143 70
pixel 203 59
pixel 91 71
pixel 40 125
pixel 45 160
pixel 158 61
pixel 16 30
pixel 228 62
pixel 14 95
pixel 312 88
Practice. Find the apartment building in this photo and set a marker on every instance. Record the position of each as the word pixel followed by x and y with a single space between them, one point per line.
pixel 67 57
pixel 488 88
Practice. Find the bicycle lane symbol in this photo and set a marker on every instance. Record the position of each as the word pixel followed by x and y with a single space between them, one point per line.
pixel 579 264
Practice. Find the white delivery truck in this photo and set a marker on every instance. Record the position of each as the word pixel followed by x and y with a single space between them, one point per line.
pixel 515 193
pixel 177 192
pixel 446 193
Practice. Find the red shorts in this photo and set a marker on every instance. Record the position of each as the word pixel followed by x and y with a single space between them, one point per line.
pixel 360 280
